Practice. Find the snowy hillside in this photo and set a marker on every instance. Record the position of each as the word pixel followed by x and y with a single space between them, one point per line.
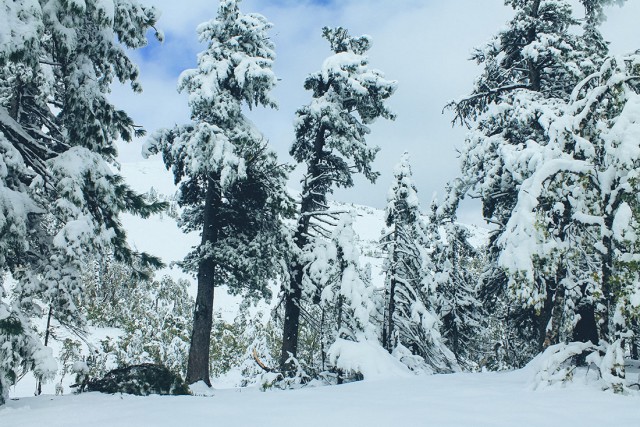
pixel 460 400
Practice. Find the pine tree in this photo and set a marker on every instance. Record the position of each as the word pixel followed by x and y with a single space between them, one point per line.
pixel 59 195
pixel 410 317
pixel 348 300
pixel 452 264
pixel 351 294
pixel 231 186
pixel 594 186
pixel 530 71
pixel 330 141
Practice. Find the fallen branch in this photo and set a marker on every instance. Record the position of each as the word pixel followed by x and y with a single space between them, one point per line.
pixel 260 363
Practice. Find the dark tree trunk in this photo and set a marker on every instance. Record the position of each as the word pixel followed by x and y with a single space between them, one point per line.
pixel 535 78
pixel 291 319
pixel 635 339
pixel 389 326
pixel 292 298
pixel 392 309
pixel 313 200
pixel 46 343
pixel 198 364
pixel 586 329
pixel 607 273
pixel 553 330
pixel 552 335
pixel 556 308
pixel 543 320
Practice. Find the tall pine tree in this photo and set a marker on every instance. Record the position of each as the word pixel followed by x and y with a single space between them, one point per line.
pixel 410 318
pixel 231 186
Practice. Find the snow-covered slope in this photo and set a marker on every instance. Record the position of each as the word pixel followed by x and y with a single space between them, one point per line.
pixel 461 400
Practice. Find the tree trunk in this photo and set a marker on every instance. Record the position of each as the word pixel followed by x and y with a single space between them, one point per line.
pixel 635 339
pixel 198 364
pixel 291 319
pixel 552 335
pixel 389 326
pixel 46 343
pixel 534 71
pixel 390 344
pixel 313 198
pixel 543 320
pixel 292 297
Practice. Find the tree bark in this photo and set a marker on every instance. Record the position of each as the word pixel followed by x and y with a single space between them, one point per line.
pixel 390 326
pixel 198 364
pixel 46 343
pixel 635 339
pixel 392 310
pixel 552 335
pixel 291 319
pixel 544 319
pixel 313 197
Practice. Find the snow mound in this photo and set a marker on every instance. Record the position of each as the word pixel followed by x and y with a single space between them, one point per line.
pixel 201 389
pixel 552 368
pixel 367 358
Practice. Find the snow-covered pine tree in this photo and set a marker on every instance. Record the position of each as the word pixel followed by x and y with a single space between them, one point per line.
pixel 410 319
pixel 351 295
pixel 348 301
pixel 330 141
pixel 231 186
pixel 59 195
pixel 530 70
pixel 599 183
pixel 454 276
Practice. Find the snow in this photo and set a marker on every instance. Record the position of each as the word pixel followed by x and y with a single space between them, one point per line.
pixel 202 389
pixel 19 25
pixel 621 226
pixel 367 358
pixel 461 400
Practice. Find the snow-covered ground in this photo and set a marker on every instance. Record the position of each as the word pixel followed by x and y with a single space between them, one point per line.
pixel 469 400
pixel 463 400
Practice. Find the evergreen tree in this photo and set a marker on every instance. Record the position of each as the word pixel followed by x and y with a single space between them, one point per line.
pixel 349 294
pixel 453 275
pixel 530 71
pixel 231 186
pixel 410 317
pixel 348 302
pixel 330 141
pixel 59 195
pixel 594 186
